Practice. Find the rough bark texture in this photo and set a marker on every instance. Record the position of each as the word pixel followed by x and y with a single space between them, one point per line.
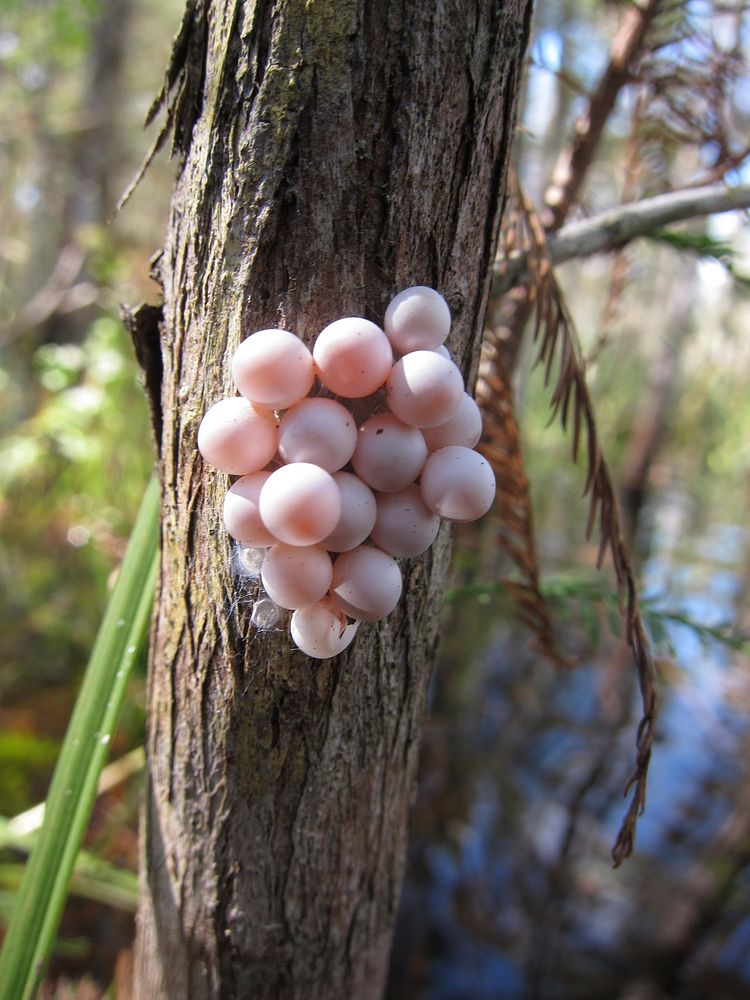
pixel 333 152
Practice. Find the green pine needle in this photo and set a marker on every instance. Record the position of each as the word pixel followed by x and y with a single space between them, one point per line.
pixel 704 246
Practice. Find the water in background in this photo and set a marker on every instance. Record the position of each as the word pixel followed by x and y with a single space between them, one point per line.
pixel 510 892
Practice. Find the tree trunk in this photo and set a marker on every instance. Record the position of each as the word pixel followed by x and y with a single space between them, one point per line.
pixel 332 154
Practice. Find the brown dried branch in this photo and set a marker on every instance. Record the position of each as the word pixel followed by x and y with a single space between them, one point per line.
pixel 565 77
pixel 633 169
pixel 574 161
pixel 689 76
pixel 570 401
pixel 501 446
pixel 62 292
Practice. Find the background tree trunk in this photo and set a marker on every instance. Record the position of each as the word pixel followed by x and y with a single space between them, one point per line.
pixel 333 152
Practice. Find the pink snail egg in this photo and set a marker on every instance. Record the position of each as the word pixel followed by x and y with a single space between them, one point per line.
pixel 424 389
pixel 320 631
pixel 241 514
pixel 458 484
pixel 404 526
pixel 389 454
pixel 366 583
pixel 320 431
pixel 464 427
pixel 273 368
pixel 358 511
pixel 300 503
pixel 237 437
pixel 352 357
pixel 296 576
pixel 417 319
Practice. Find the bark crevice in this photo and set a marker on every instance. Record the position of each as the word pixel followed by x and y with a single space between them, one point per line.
pixel 143 323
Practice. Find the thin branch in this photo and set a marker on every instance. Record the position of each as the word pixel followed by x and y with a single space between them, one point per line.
pixel 62 292
pixel 616 227
pixel 574 161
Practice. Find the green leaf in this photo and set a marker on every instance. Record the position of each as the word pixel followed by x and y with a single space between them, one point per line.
pixel 44 888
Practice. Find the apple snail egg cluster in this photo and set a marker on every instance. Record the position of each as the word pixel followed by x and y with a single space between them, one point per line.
pixel 322 507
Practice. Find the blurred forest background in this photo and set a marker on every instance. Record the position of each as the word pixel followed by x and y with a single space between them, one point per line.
pixel 510 890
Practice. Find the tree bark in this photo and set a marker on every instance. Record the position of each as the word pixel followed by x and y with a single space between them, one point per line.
pixel 332 153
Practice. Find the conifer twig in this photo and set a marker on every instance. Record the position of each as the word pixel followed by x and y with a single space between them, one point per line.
pixel 618 226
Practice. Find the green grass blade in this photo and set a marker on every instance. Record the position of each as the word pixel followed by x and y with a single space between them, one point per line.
pixel 44 888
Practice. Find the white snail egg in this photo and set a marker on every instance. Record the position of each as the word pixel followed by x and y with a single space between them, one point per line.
pixel 296 576
pixel 463 428
pixel 265 614
pixel 358 511
pixel 320 631
pixel 247 561
pixel 458 484
pixel 300 503
pixel 424 389
pixel 320 431
pixel 366 583
pixel 404 526
pixel 389 454
pixel 352 357
pixel 417 319
pixel 237 437
pixel 273 368
pixel 241 514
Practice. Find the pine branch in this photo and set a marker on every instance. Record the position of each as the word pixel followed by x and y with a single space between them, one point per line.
pixel 501 446
pixel 616 227
pixel 560 357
